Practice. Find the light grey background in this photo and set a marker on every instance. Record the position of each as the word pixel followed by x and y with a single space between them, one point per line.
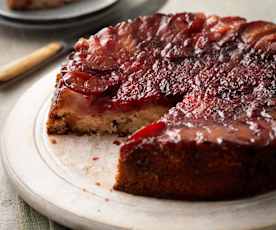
pixel 16 43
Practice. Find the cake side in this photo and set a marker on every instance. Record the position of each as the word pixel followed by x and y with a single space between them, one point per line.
pixel 199 160
pixel 73 113
pixel 192 171
pixel 109 122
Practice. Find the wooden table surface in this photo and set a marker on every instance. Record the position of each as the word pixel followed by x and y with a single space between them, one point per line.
pixel 17 43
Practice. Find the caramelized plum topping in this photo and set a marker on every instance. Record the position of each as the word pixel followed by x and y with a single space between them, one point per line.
pixel 212 69
pixel 88 84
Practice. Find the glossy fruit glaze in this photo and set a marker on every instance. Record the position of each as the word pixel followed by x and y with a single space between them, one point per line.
pixel 214 72
pixel 141 61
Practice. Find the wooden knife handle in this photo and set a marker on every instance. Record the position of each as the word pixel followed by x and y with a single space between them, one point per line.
pixel 32 60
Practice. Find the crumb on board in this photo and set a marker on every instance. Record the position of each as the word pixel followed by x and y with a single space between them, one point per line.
pixel 84 190
pixel 95 158
pixel 116 142
pixel 87 169
pixel 106 199
pixel 53 141
pixel 98 183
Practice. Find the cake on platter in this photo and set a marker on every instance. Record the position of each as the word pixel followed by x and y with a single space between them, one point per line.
pixel 196 94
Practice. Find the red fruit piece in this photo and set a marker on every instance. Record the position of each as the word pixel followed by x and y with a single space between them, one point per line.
pixel 85 83
pixel 149 131
pixel 95 158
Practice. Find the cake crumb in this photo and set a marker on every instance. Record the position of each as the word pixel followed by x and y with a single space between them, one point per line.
pixel 95 158
pixel 106 199
pixel 84 190
pixel 53 141
pixel 98 183
pixel 116 142
pixel 122 134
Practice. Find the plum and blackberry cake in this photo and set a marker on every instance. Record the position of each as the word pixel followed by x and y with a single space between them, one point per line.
pixel 200 89
pixel 35 4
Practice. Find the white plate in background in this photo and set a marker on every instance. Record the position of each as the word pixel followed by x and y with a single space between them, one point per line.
pixel 66 12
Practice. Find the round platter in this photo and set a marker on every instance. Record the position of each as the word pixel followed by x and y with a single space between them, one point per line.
pixel 69 179
pixel 66 12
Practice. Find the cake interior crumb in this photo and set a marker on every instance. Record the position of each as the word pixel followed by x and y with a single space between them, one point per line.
pixel 116 142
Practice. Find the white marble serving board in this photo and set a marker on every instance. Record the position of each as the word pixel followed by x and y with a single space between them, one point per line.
pixel 70 178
